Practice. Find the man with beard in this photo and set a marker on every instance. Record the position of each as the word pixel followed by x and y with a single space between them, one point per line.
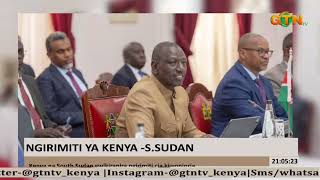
pixel 158 101
pixel 61 85
pixel 242 90
pixel 130 73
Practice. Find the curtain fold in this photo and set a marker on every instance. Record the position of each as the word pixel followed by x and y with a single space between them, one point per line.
pixel 184 27
pixel 244 21
pixel 34 28
pixel 217 6
pixel 214 48
pixel 121 6
pixel 63 22
pixel 284 5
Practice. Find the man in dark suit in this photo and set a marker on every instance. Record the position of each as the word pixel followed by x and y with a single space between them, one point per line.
pixel 32 119
pixel 243 83
pixel 27 127
pixel 61 85
pixel 24 68
pixel 130 73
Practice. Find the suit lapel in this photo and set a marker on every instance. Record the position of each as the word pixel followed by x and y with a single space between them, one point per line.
pixel 32 92
pixel 78 74
pixel 64 82
pixel 253 85
pixel 130 74
pixel 269 96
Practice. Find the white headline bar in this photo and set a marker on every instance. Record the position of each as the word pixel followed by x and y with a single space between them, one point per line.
pixel 68 147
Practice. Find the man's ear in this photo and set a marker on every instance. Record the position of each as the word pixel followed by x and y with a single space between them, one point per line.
pixel 286 52
pixel 154 67
pixel 242 53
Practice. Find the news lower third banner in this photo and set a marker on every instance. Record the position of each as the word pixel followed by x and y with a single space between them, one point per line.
pixel 159 153
pixel 177 172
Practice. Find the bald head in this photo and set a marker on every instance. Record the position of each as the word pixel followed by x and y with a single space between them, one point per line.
pixel 133 54
pixel 161 51
pixel 169 64
pixel 248 39
pixel 254 52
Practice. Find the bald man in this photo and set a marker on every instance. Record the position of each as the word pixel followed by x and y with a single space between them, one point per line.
pixel 158 101
pixel 131 71
pixel 243 83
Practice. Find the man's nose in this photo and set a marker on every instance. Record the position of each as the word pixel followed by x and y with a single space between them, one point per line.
pixel 179 66
pixel 67 53
pixel 266 56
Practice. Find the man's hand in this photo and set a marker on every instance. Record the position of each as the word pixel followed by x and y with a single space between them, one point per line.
pixel 208 136
pixel 48 133
pixel 65 129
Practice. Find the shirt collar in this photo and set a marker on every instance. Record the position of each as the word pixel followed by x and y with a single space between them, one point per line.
pixel 135 70
pixel 253 76
pixel 62 70
pixel 165 91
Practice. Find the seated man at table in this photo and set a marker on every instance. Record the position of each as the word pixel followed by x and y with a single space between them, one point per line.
pixel 242 90
pixel 158 101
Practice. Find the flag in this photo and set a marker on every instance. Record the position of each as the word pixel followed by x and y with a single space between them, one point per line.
pixel 285 97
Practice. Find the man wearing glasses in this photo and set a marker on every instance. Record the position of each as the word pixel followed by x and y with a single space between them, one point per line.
pixel 243 92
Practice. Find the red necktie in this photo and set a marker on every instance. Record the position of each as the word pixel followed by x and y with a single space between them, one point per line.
pixel 74 83
pixel 34 114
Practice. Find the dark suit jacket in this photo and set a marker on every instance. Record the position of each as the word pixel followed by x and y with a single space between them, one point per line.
pixel 27 70
pixel 124 77
pixel 61 102
pixel 231 99
pixel 24 120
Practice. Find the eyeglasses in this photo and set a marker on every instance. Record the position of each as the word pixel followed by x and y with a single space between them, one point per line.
pixel 261 51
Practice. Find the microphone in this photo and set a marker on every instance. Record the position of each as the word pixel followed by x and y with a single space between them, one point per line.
pixel 255 105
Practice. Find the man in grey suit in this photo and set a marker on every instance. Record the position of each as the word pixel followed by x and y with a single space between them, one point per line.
pixel 276 73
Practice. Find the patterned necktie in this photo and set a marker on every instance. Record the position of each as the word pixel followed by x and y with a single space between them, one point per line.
pixel 74 83
pixel 261 90
pixel 34 114
pixel 140 73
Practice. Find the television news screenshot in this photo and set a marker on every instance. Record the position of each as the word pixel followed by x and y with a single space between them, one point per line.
pixel 160 89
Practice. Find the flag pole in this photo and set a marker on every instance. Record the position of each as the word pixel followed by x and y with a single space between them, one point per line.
pixel 290 98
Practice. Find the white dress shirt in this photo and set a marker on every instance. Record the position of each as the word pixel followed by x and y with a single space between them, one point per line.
pixel 135 72
pixel 20 98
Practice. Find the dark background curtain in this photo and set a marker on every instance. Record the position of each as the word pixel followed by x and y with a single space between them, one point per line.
pixel 284 5
pixel 217 6
pixel 121 6
pixel 244 21
pixel 184 28
pixel 63 22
